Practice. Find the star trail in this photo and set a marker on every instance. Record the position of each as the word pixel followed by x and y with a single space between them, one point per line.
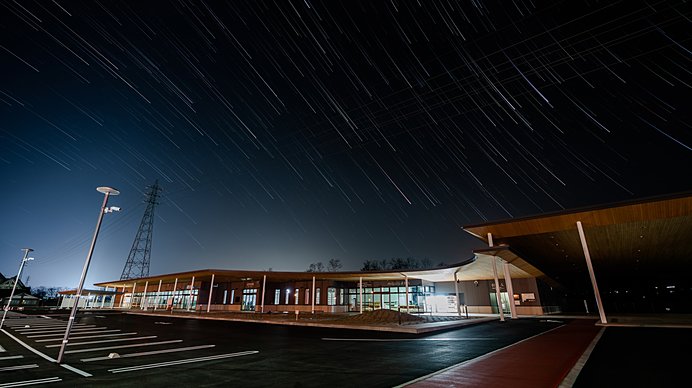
pixel 289 132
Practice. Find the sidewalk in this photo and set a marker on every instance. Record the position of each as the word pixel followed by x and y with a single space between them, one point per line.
pixel 540 361
pixel 328 321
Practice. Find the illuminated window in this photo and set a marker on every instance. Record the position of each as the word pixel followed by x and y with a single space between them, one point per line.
pixel 288 293
pixel 317 296
pixel 277 296
pixel 307 296
pixel 331 296
pixel 232 295
pixel 296 295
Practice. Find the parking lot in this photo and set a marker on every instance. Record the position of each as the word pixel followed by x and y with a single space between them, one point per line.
pixel 163 351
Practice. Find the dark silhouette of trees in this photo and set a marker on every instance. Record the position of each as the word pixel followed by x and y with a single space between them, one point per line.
pixel 398 263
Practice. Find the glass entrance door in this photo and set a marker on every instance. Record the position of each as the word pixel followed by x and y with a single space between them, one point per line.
pixel 249 299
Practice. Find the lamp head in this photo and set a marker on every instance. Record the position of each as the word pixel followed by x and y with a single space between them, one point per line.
pixel 107 190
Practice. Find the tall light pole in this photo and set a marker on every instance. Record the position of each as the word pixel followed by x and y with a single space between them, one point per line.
pixel 16 280
pixel 107 191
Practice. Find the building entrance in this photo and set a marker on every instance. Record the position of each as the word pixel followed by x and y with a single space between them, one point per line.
pixel 249 299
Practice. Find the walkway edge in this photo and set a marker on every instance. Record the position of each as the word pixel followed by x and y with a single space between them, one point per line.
pixel 395 329
pixel 571 377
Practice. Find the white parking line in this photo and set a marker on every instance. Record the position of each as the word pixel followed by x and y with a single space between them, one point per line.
pixel 30 382
pixel 62 333
pixel 62 330
pixel 2 349
pixel 17 367
pixel 11 357
pixel 81 372
pixel 123 346
pixel 179 362
pixel 49 329
pixel 102 341
pixel 28 347
pixel 39 323
pixel 75 370
pixel 87 336
pixel 174 350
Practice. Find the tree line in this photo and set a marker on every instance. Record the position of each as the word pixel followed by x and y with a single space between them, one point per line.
pixel 395 263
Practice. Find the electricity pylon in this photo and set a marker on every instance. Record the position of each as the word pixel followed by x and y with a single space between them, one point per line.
pixel 137 265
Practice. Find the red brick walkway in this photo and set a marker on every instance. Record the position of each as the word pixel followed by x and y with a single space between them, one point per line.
pixel 541 361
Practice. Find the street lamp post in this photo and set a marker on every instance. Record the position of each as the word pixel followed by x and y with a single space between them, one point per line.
pixel 107 191
pixel 16 280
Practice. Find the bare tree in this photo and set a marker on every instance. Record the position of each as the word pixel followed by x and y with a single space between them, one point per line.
pixel 334 265
pixel 316 267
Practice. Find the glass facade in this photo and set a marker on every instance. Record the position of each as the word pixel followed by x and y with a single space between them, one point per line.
pixel 181 299
pixel 391 298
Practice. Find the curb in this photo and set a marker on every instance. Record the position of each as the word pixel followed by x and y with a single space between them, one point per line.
pixel 411 329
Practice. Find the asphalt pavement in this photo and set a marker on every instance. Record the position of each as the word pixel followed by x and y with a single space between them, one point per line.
pixel 162 352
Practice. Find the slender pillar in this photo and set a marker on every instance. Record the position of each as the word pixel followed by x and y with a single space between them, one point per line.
pixel 361 294
pixel 498 295
pixel 510 290
pixel 192 286
pixel 87 301
pixel 175 287
pixel 122 297
pixel 587 256
pixel 211 289
pixel 132 299
pixel 264 287
pixel 158 295
pixel 313 295
pixel 456 291
pixel 103 298
pixel 143 303
pixel 406 283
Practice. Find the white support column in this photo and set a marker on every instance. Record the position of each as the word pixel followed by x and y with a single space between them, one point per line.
pixel 158 295
pixel 592 275
pixel 86 305
pixel 406 283
pixel 211 290
pixel 192 286
pixel 264 287
pixel 456 291
pixel 143 304
pixel 122 297
pixel 103 298
pixel 361 294
pixel 175 287
pixel 510 290
pixel 132 299
pixel 498 295
pixel 313 295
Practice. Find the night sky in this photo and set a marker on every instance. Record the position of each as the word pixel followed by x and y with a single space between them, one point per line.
pixel 289 132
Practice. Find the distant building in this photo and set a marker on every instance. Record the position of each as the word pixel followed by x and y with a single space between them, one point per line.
pixel 22 294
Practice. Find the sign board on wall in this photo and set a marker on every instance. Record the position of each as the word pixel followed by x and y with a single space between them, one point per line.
pixel 529 296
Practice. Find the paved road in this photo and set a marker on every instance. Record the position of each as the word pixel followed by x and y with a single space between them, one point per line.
pixel 160 352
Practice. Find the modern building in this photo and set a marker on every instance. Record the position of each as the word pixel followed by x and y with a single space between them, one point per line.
pixel 529 264
pixel 437 290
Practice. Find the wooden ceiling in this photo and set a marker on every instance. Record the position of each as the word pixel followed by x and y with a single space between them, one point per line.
pixel 645 240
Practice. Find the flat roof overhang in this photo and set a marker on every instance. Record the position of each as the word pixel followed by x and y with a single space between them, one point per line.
pixel 477 268
pixel 645 239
